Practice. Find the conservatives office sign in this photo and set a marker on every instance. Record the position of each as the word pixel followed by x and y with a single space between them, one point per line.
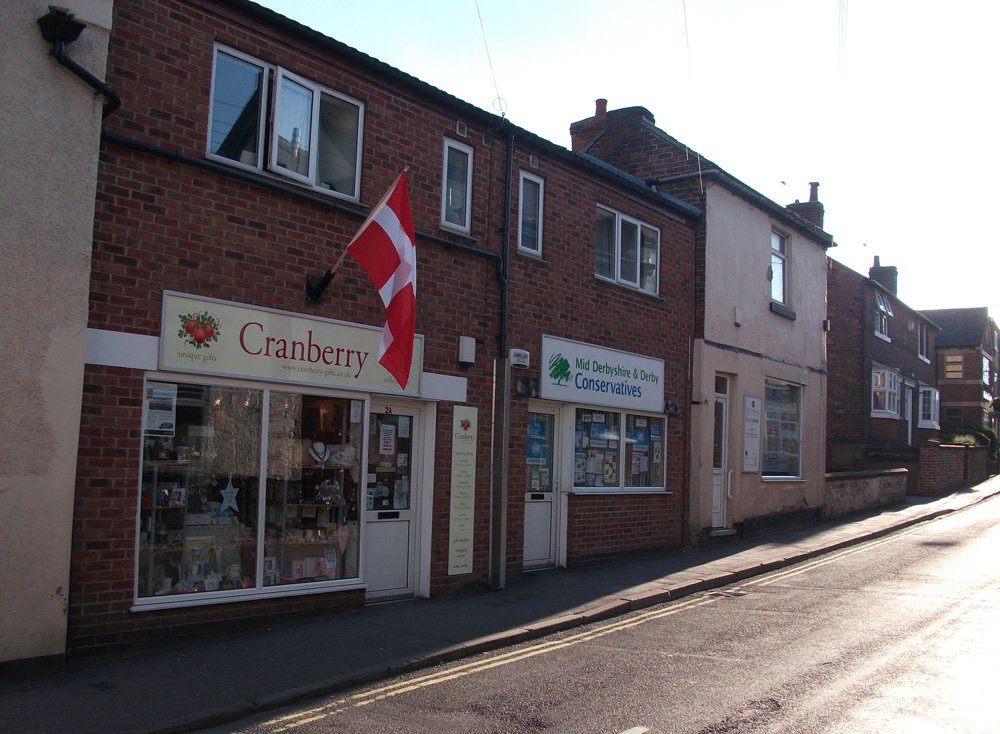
pixel 574 372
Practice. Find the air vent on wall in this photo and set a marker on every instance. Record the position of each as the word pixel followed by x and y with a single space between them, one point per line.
pixel 533 160
pixel 461 129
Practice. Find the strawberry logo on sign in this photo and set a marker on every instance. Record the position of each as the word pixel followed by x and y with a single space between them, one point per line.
pixel 199 329
pixel 465 423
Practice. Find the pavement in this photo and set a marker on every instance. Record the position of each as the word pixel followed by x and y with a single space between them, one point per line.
pixel 218 682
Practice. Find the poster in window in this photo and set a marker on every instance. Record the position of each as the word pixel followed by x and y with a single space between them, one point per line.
pixel 160 409
pixel 640 439
pixel 387 439
pixel 537 452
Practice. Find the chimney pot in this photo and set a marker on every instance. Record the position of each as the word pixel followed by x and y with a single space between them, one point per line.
pixel 814 191
pixel 602 106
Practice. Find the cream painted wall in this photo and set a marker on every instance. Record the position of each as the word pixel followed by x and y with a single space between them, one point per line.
pixel 766 345
pixel 50 122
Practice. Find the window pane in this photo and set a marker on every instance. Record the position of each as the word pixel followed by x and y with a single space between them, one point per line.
pixel 777 278
pixel 337 145
pixel 200 478
pixel 530 206
pixel 629 252
pixel 311 530
pixel 605 243
pixel 538 453
pixel 644 456
pixel 781 419
pixel 235 126
pixel 456 187
pixel 596 449
pixel 294 126
pixel 649 260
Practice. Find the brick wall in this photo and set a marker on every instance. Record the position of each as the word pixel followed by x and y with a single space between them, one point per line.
pixel 163 224
pixel 944 467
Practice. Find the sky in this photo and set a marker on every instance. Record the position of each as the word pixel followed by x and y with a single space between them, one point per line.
pixel 891 105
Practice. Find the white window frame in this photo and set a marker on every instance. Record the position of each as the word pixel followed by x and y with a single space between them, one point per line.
pixel 923 341
pixel 883 312
pixel 779 432
pixel 623 416
pixel 887 382
pixel 261 109
pixel 779 255
pixel 521 198
pixel 626 279
pixel 267 132
pixel 930 408
pixel 466 226
pixel 259 590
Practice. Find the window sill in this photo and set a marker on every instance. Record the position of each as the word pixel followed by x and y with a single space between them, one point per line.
pixel 583 491
pixel 923 359
pixel 883 337
pixel 627 286
pixel 885 414
pixel 783 480
pixel 533 254
pixel 782 310
pixel 933 426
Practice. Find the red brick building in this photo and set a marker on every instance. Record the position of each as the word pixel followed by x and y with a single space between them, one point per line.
pixel 883 398
pixel 242 455
pixel 967 353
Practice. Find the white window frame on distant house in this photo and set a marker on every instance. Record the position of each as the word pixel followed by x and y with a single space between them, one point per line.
pixel 954 366
pixel 930 408
pixel 883 312
pixel 987 378
pixel 782 431
pixel 923 351
pixel 627 251
pixel 323 152
pixel 886 385
pixel 456 187
pixel 531 213
pixel 778 271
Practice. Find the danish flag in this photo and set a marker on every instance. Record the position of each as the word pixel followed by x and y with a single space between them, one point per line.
pixel 384 247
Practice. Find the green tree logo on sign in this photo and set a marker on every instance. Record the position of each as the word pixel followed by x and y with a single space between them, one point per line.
pixel 559 370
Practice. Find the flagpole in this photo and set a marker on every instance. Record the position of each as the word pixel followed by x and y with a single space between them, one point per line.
pixel 314 287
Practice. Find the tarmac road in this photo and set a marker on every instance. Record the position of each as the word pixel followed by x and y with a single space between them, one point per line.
pixel 894 635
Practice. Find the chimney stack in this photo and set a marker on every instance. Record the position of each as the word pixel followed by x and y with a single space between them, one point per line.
pixel 602 107
pixel 886 275
pixel 812 210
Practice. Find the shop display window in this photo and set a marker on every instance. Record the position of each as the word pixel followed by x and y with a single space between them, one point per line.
pixel 311 530
pixel 200 477
pixel 606 459
pixel 208 521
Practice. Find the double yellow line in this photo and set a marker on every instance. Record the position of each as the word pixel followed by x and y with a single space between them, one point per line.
pixel 340 705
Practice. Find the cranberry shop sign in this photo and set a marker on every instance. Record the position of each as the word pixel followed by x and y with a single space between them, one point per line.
pixel 222 338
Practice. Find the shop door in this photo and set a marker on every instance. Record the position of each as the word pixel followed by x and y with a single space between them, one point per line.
pixel 391 501
pixel 720 453
pixel 541 511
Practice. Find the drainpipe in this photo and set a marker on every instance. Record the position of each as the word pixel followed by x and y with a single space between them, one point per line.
pixel 501 435
pixel 60 28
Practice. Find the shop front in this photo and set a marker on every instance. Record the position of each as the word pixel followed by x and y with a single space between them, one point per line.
pixel 596 440
pixel 278 459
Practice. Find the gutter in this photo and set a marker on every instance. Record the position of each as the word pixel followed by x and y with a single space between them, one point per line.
pixel 60 28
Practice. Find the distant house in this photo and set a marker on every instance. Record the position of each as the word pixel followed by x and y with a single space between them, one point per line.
pixel 758 345
pixel 967 351
pixel 883 399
